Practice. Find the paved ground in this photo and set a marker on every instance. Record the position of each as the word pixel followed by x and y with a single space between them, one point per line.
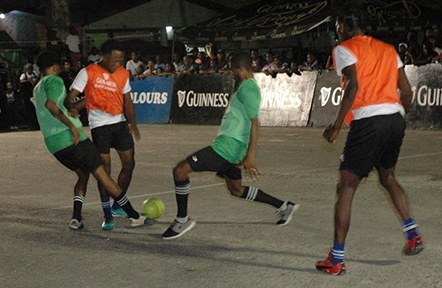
pixel 235 243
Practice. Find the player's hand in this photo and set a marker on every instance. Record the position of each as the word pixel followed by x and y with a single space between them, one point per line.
pixel 76 138
pixel 249 166
pixel 133 129
pixel 73 112
pixel 331 134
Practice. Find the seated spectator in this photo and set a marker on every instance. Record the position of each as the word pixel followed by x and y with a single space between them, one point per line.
pixel 256 61
pixel 150 70
pixel 212 67
pixel 188 67
pixel 159 63
pixel 169 70
pixel 311 64
pixel 133 64
pixel 228 67
pixel 427 55
pixel 329 65
pixel 94 57
pixel 270 66
pixel 414 49
pixel 140 71
pixel 293 69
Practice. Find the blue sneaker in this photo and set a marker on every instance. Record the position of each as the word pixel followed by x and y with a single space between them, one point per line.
pixel 108 224
pixel 119 212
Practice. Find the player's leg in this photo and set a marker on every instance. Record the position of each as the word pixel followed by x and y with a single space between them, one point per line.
pixel 108 223
pixel 182 223
pixel 388 180
pixel 285 209
pixel 123 142
pixel 79 196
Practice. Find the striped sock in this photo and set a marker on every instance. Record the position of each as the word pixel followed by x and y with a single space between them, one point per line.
pixel 105 204
pixel 182 190
pixel 337 253
pixel 78 204
pixel 124 203
pixel 254 194
pixel 409 227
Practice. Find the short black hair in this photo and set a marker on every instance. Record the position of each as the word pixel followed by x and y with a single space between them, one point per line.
pixel 351 21
pixel 47 59
pixel 109 46
pixel 242 60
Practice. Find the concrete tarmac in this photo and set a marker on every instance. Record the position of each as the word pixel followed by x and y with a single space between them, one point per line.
pixel 235 243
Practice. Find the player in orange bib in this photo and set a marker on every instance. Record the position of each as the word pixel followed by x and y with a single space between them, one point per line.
pixel 108 102
pixel 371 72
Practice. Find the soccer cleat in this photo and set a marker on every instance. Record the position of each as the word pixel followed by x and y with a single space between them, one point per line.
pixel 108 224
pixel 119 212
pixel 178 229
pixel 286 215
pixel 76 225
pixel 414 246
pixel 327 266
pixel 142 221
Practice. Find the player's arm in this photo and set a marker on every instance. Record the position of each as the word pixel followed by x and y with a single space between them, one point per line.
pixel 248 164
pixel 74 107
pixel 351 89
pixel 57 113
pixel 129 110
pixel 405 88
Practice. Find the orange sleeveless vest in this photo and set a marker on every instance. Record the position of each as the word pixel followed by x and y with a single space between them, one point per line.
pixel 377 71
pixel 104 89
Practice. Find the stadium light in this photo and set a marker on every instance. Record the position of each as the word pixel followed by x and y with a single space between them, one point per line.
pixel 2 16
pixel 169 28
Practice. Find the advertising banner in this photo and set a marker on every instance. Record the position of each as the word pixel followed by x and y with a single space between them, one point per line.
pixel 285 100
pixel 201 99
pixel 152 98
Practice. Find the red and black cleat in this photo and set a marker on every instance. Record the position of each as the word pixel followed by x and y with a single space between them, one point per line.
pixel 414 246
pixel 327 266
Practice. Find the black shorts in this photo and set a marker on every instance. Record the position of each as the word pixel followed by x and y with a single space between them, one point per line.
pixel 83 156
pixel 373 142
pixel 112 136
pixel 207 159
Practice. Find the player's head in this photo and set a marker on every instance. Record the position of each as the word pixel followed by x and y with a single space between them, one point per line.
pixel 347 26
pixel 241 62
pixel 49 63
pixel 113 55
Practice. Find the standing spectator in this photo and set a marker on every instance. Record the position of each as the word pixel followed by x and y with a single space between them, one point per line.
pixel 169 70
pixel 67 74
pixel 221 60
pixel 429 33
pixel 311 64
pixel 256 61
pixel 414 49
pixel 188 67
pixel 402 50
pixel 159 63
pixel 427 55
pixel 9 107
pixel 28 80
pixel 133 64
pixel 94 57
pixel 177 62
pixel 54 43
pixel 73 42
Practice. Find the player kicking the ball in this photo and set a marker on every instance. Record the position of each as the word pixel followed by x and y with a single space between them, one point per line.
pixel 371 73
pixel 235 146
pixel 66 140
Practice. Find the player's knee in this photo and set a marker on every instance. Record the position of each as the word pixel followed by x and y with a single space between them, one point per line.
pixel 386 179
pixel 236 191
pixel 128 165
pixel 179 174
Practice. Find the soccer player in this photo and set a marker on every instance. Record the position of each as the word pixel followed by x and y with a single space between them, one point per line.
pixel 107 98
pixel 66 140
pixel 235 146
pixel 371 72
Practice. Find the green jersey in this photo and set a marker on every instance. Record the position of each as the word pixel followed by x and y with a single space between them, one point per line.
pixel 234 134
pixel 56 134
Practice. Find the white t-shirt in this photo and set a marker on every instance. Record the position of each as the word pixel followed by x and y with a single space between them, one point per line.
pixel 94 58
pixel 344 58
pixel 132 66
pixel 26 76
pixel 98 118
pixel 73 42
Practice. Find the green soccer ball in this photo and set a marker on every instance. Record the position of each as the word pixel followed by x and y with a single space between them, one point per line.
pixel 153 208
